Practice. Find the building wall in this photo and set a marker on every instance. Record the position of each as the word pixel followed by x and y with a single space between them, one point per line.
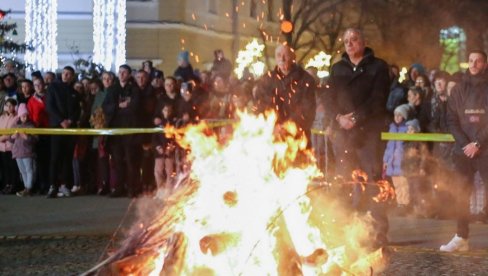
pixel 199 26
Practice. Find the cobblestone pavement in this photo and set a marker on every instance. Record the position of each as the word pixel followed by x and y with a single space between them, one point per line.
pixel 72 255
pixel 50 255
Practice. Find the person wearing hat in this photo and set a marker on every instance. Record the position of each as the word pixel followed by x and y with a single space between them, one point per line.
pixel 392 158
pixel 23 151
pixel 184 69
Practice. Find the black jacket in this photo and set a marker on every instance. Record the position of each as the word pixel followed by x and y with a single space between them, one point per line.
pixel 63 103
pixel 292 96
pixel 361 89
pixel 116 117
pixel 467 112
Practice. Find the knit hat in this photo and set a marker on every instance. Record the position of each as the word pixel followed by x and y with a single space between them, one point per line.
pixel 184 56
pixel 22 110
pixel 414 124
pixel 420 68
pixel 404 110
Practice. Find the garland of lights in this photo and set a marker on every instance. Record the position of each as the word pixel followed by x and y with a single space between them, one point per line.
pixel 41 32
pixel 109 32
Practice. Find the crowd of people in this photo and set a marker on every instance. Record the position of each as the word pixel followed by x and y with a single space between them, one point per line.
pixel 362 97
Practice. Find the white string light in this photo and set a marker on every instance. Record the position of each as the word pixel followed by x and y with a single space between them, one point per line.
pixel 109 32
pixel 41 32
pixel 120 47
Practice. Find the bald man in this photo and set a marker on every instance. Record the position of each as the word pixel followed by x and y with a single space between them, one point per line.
pixel 359 86
pixel 289 91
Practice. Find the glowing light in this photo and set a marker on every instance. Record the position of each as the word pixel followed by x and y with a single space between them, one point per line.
pixel 321 61
pixel 109 33
pixel 403 74
pixel 251 58
pixel 41 32
pixel 286 26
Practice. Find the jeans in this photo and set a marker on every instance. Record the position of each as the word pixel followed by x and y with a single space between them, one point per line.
pixel 27 167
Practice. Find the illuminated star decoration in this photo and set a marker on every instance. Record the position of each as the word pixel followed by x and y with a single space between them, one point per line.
pixel 321 61
pixel 251 58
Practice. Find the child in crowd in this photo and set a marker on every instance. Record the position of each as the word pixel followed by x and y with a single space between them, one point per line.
pixel 23 151
pixel 9 170
pixel 393 157
pixel 164 149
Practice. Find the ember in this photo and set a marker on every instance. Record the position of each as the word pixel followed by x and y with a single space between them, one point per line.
pixel 247 209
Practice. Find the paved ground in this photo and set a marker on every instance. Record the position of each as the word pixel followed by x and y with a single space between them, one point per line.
pixel 68 236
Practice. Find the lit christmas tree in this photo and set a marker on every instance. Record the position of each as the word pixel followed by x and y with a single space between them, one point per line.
pixel 8 47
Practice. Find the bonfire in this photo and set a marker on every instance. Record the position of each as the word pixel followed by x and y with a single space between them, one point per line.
pixel 248 207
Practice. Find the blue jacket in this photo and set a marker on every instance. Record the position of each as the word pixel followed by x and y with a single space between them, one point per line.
pixel 394 151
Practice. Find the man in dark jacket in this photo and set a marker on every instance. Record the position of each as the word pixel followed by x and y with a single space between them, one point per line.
pixel 467 118
pixel 121 108
pixel 290 91
pixel 360 85
pixel 63 107
pixel 221 65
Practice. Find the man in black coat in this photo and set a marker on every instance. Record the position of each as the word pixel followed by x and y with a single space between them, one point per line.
pixel 290 91
pixel 359 85
pixel 467 118
pixel 63 107
pixel 121 108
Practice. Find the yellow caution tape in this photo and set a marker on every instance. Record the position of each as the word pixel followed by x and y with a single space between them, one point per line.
pixel 80 131
pixel 424 137
pixel 103 131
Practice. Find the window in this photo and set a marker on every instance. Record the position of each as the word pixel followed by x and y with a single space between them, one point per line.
pixel 212 6
pixel 253 12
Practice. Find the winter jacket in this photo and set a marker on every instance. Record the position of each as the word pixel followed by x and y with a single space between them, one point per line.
pixel 222 67
pixel 37 110
pixel 393 155
pixel 362 90
pixel 186 73
pixel 7 121
pixel 24 148
pixel 292 96
pixel 63 103
pixel 117 117
pixel 397 96
pixel 467 113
